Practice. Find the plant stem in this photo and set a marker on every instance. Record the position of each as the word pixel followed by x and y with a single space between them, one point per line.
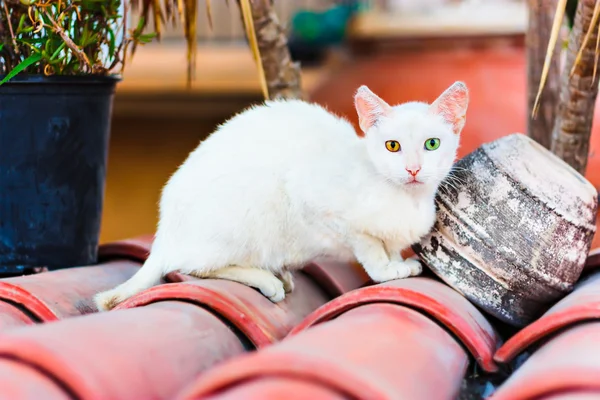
pixel 83 59
pixel 10 28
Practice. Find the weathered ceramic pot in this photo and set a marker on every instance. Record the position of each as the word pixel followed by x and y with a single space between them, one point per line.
pixel 514 226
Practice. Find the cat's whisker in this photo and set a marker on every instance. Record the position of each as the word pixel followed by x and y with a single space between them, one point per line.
pixel 455 179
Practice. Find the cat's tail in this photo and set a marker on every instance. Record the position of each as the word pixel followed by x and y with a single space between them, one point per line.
pixel 147 276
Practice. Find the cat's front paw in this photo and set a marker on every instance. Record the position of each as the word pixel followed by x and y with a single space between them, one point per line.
pixel 415 266
pixel 273 289
pixel 288 281
pixel 396 270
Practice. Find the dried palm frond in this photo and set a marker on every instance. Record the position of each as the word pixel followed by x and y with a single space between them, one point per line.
pixel 558 17
pixel 173 11
pixel 186 12
pixel 246 9
pixel 586 38
pixel 579 88
pixel 556 25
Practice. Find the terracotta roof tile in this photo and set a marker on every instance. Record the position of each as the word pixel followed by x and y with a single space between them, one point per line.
pixel 278 387
pixel 373 342
pixel 375 351
pixel 568 362
pixel 152 344
pixel 11 316
pixel 146 353
pixel 136 249
pixel 593 260
pixel 68 292
pixel 432 298
pixel 64 293
pixel 259 319
pixel 580 305
pixel 575 395
pixel 342 338
pixel 22 381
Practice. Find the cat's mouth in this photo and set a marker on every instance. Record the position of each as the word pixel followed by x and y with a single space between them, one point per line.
pixel 413 182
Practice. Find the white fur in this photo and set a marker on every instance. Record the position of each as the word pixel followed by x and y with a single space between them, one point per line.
pixel 287 182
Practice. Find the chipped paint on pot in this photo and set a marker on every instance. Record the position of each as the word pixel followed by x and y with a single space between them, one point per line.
pixel 514 227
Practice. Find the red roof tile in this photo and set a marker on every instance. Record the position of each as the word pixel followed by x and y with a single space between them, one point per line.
pixel 146 353
pixel 68 292
pixel 593 260
pixel 276 388
pixel 150 346
pixel 64 293
pixel 11 316
pixel 433 298
pixel 569 362
pixel 580 305
pixel 136 249
pixel 375 351
pixel 575 395
pixel 259 319
pixel 19 380
pixel 368 342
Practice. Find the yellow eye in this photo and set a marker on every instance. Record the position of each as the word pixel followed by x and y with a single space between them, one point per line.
pixel 392 146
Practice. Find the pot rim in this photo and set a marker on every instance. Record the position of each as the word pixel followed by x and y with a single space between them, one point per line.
pixel 87 79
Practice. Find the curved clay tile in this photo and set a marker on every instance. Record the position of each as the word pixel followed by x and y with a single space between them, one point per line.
pixel 12 316
pixel 156 342
pixel 337 278
pixel 58 294
pixel 376 351
pixel 135 249
pixel 575 395
pixel 20 381
pixel 593 260
pixel 580 305
pixel 277 387
pixel 145 353
pixel 565 367
pixel 431 297
pixel 259 319
pixel 49 296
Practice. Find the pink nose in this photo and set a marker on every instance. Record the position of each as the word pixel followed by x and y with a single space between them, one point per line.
pixel 413 171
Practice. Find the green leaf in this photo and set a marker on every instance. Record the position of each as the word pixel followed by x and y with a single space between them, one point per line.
pixel 32 59
pixel 147 38
pixel 20 27
pixel 60 48
pixel 1 46
pixel 140 26
pixel 111 43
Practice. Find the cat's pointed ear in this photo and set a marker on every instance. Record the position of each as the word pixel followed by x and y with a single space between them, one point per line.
pixel 452 106
pixel 370 108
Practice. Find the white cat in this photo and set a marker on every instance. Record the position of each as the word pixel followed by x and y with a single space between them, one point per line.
pixel 286 182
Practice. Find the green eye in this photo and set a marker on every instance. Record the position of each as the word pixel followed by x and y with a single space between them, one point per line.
pixel 432 144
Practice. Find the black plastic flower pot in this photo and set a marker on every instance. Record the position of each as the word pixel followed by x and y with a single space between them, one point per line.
pixel 54 134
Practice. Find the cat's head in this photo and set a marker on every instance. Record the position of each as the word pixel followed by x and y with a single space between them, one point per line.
pixel 413 144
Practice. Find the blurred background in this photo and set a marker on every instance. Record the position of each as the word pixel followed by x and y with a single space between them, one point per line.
pixel 403 50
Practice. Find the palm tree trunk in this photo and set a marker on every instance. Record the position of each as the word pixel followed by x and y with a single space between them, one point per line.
pixel 541 14
pixel 281 73
pixel 572 130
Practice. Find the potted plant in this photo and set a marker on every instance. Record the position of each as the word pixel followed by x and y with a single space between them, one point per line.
pixel 57 78
pixel 60 61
